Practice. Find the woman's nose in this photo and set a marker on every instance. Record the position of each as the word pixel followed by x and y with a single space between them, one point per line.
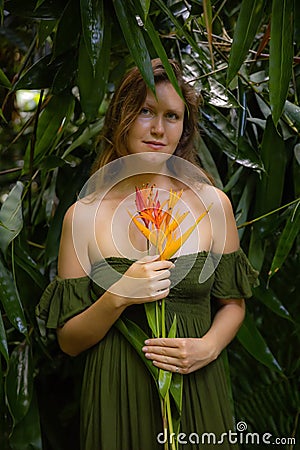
pixel 157 126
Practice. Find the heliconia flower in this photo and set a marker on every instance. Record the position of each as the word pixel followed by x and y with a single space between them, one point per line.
pixel 161 226
pixel 172 246
pixel 145 202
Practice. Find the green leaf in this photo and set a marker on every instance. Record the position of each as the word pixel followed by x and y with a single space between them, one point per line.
pixel 270 188
pixel 1 10
pixel 286 241
pixel 47 10
pixel 27 433
pixel 38 3
pixel 153 35
pixel 136 337
pixel 293 113
pixel 46 71
pixel 69 24
pixel 135 41
pixel 222 133
pixel 151 317
pixel 249 20
pixel 208 162
pixel 45 29
pixel 178 28
pixel 51 124
pixel 281 54
pixel 165 376
pixel 207 12
pixel 268 297
pixel 251 339
pixel 176 390
pixel 218 95
pixel 4 81
pixel 92 18
pixel 19 381
pixel 145 4
pixel 245 203
pixel 92 80
pixel 3 340
pixel 10 299
pixel 24 260
pixel 88 132
pixel 11 219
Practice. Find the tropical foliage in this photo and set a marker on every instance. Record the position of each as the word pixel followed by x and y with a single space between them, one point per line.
pixel 244 57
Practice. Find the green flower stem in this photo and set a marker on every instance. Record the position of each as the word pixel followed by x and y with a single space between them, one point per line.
pixel 163 321
pixel 165 422
pixel 174 442
pixel 157 319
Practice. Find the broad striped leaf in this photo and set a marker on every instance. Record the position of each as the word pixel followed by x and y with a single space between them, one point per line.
pixel 9 296
pixel 19 381
pixel 268 297
pixel 11 218
pixel 27 434
pixel 281 54
pixel 251 339
pixel 136 337
pixel 92 80
pixel 249 19
pixel 92 17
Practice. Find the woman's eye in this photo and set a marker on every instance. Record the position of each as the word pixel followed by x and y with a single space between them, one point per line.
pixel 172 116
pixel 145 112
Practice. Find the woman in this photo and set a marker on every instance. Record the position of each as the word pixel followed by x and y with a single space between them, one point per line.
pixel 105 272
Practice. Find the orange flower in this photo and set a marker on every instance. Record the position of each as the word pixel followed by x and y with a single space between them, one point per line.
pixel 161 226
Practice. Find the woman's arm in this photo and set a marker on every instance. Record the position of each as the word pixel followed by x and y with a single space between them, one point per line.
pixel 190 354
pixel 145 280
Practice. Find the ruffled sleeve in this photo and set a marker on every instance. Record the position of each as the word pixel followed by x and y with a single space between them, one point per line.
pixel 234 276
pixel 63 299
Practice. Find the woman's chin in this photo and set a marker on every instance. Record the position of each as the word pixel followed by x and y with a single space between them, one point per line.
pixel 152 158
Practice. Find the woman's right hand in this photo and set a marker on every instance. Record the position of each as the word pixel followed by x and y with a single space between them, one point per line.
pixel 146 280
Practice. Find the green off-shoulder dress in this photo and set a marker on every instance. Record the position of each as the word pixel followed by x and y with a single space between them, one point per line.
pixel 120 408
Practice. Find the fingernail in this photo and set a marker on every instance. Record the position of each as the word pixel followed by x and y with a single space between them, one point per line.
pixel 145 349
pixel 146 342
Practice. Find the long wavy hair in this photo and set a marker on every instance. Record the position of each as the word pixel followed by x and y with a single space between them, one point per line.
pixel 125 106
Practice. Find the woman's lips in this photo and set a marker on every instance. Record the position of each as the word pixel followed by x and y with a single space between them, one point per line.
pixel 155 145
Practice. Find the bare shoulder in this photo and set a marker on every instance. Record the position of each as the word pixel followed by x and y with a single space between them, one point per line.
pixel 73 260
pixel 226 239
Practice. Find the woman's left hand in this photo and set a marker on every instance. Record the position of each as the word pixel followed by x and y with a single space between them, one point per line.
pixel 179 355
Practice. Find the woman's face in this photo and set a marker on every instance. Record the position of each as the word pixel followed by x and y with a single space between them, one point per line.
pixel 159 125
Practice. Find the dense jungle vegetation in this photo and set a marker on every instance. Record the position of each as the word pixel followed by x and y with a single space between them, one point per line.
pixel 60 61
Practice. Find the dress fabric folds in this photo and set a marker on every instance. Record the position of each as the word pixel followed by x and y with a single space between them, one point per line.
pixel 120 407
